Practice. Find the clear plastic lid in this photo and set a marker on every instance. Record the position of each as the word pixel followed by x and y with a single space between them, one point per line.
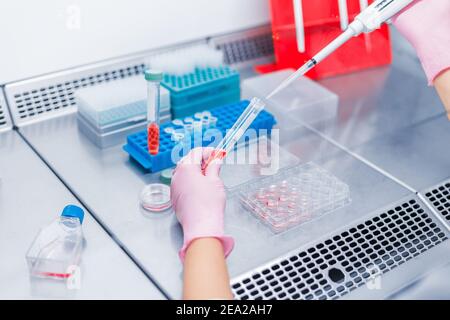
pixel 155 197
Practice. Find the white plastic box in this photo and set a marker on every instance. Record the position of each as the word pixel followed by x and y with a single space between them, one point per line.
pixel 304 100
pixel 117 101
pixel 114 134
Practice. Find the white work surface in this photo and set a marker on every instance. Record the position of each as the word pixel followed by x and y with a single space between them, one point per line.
pixel 31 196
pixel 360 145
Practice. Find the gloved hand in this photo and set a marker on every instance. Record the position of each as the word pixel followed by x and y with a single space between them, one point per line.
pixel 426 24
pixel 199 199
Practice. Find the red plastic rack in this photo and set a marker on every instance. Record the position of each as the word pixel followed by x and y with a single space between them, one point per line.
pixel 301 28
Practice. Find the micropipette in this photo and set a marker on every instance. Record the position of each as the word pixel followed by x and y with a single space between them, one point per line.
pixel 368 20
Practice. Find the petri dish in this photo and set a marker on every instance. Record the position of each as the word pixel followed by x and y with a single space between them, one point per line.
pixel 155 197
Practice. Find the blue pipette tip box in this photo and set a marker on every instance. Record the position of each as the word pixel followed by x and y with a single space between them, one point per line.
pixel 227 97
pixel 227 115
pixel 201 89
pixel 199 80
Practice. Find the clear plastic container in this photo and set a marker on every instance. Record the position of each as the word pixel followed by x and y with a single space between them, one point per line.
pixel 304 100
pixel 56 250
pixel 294 196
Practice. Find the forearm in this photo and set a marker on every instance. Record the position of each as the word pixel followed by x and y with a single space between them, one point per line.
pixel 442 85
pixel 205 271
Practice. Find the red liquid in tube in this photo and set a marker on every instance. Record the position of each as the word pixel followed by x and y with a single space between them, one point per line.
pixel 215 155
pixel 153 138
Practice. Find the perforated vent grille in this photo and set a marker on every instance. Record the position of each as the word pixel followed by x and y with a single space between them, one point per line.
pixel 4 117
pixel 342 263
pixel 440 199
pixel 50 95
pixel 246 49
pixel 42 98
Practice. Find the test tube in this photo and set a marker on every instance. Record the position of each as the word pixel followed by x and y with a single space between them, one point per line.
pixel 197 125
pixel 153 79
pixel 178 122
pixel 235 133
pixel 188 120
pixel 212 122
pixel 188 128
pixel 205 123
pixel 206 114
pixel 169 130
pixel 177 136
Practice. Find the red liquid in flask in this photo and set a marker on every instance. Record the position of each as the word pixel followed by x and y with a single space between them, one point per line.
pixel 153 138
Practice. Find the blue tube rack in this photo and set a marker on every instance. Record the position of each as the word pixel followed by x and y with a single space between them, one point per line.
pixel 202 89
pixel 227 115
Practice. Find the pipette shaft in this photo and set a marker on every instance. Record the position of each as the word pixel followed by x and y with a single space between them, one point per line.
pixel 329 49
pixel 235 133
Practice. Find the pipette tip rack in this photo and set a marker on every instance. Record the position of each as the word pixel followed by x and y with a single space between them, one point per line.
pixel 226 116
pixel 202 89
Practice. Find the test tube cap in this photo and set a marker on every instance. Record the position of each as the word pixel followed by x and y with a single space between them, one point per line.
pixel 178 122
pixel 166 176
pixel 73 211
pixel 153 75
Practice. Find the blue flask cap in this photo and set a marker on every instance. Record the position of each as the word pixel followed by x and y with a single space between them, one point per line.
pixel 73 211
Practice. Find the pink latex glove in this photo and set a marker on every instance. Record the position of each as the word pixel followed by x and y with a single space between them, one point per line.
pixel 426 24
pixel 199 199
